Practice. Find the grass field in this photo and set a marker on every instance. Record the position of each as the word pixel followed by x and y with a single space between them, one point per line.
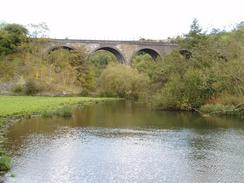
pixel 18 105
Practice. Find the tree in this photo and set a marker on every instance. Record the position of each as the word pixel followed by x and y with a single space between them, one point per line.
pixel 195 28
pixel 194 37
pixel 11 37
pixel 100 59
pixel 240 25
pixel 122 81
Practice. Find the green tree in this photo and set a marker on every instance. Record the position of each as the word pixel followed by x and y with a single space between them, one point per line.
pixel 240 25
pixel 100 60
pixel 122 81
pixel 194 37
pixel 11 37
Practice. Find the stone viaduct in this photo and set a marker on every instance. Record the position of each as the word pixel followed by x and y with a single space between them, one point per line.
pixel 123 50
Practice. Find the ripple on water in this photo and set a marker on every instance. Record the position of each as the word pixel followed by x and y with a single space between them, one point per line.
pixel 59 150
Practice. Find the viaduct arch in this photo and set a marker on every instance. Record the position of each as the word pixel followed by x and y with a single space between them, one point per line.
pixel 124 51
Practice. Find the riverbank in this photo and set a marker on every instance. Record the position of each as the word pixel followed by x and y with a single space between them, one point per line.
pixel 18 107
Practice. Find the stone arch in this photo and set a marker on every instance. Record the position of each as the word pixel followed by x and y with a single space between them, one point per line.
pixel 114 51
pixel 60 47
pixel 153 53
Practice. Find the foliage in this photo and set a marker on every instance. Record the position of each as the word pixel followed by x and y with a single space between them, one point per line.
pixel 219 109
pixel 11 37
pixel 122 81
pixel 185 93
pixel 194 37
pixel 100 60
pixel 227 99
pixel 18 89
pixel 64 111
pixel 215 67
pixel 216 108
pixel 30 88
pixel 74 68
pixel 240 25
pixel 144 63
pixel 47 114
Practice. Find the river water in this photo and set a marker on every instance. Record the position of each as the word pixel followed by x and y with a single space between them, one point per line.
pixel 126 142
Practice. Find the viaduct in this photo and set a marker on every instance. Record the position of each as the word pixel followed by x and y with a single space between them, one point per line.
pixel 124 51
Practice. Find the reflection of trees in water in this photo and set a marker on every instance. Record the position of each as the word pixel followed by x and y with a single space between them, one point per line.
pixel 128 114
pixel 225 122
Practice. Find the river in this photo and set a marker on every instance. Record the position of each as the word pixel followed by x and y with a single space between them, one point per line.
pixel 126 142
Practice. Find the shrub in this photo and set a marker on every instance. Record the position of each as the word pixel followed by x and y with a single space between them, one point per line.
pixel 185 92
pixel 216 108
pixel 122 81
pixel 65 112
pixel 47 114
pixel 100 59
pixel 18 89
pixel 31 88
pixel 226 99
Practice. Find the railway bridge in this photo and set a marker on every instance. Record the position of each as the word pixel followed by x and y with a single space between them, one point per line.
pixel 124 51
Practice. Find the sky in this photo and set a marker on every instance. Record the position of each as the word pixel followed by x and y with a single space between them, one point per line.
pixel 122 19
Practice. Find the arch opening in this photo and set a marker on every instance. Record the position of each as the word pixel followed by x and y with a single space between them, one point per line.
pixel 154 54
pixel 60 47
pixel 114 51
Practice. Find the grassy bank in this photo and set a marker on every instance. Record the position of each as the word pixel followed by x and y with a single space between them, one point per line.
pixel 20 106
pixel 220 109
pixel 25 105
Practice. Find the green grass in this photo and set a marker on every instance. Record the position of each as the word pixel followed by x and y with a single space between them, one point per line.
pixel 65 112
pixel 5 162
pixel 26 105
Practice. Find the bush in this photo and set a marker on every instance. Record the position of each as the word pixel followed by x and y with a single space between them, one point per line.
pixel 47 114
pixel 122 81
pixel 65 112
pixel 185 92
pixel 226 99
pixel 100 59
pixel 18 89
pixel 31 88
pixel 216 108
pixel 212 75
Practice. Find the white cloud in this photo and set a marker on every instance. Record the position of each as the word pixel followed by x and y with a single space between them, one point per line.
pixel 122 19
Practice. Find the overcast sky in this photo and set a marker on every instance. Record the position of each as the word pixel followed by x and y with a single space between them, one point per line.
pixel 122 19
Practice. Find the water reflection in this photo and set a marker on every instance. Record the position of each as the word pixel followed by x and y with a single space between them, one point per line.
pixel 127 142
